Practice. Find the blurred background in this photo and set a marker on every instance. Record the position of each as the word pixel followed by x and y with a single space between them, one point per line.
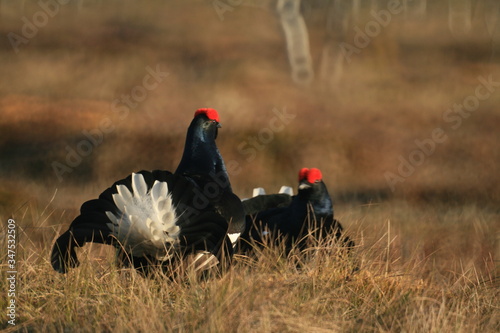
pixel 397 102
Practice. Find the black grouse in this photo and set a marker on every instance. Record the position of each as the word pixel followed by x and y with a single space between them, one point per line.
pixel 310 211
pixel 202 163
pixel 155 218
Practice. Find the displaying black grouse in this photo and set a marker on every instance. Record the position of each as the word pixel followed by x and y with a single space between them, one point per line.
pixel 154 218
pixel 310 211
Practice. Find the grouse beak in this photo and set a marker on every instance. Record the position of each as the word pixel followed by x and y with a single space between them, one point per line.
pixel 219 125
pixel 304 185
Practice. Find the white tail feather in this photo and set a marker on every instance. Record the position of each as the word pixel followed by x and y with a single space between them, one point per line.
pixel 146 221
pixel 159 190
pixel 234 237
pixel 139 185
pixel 258 191
pixel 286 190
pixel 124 192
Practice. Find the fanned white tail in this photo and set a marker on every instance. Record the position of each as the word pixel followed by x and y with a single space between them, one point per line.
pixel 146 220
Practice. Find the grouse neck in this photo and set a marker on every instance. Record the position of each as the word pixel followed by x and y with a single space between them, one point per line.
pixel 319 199
pixel 201 155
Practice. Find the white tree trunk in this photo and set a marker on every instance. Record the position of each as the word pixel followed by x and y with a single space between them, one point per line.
pixel 297 40
pixel 460 17
pixel 340 16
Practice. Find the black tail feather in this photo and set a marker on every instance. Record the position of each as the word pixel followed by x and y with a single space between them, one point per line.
pixel 63 253
pixel 202 227
pixel 264 202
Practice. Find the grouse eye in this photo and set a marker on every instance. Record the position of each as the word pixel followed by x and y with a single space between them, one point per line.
pixel 209 123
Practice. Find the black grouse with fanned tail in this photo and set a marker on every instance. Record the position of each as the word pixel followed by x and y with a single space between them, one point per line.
pixel 155 218
pixel 309 212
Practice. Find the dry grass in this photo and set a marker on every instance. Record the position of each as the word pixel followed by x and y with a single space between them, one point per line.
pixel 429 288
pixel 428 252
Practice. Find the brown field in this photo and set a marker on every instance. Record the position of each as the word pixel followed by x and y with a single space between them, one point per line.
pixel 428 251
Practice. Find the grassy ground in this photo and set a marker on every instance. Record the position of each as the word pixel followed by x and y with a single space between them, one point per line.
pixel 427 246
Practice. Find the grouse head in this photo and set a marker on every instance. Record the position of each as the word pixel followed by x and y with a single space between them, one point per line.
pixel 308 178
pixel 201 155
pixel 206 122
pixel 313 189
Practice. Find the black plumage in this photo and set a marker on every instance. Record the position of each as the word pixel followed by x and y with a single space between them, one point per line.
pixel 309 212
pixel 203 164
pixel 263 202
pixel 154 218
